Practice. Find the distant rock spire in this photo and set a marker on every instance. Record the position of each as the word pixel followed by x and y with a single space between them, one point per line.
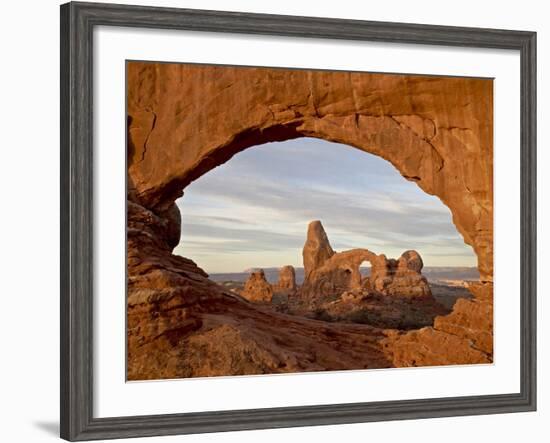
pixel 287 279
pixel 317 248
pixel 257 289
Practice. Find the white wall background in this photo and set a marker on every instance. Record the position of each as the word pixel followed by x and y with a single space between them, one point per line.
pixel 29 184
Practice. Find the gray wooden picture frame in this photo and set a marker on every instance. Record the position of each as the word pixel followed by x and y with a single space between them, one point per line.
pixel 77 23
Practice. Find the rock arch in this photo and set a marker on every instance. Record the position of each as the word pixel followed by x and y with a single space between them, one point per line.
pixel 329 273
pixel 184 120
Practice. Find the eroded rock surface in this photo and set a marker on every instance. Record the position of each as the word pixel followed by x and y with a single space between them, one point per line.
pixel 332 273
pixel 317 249
pixel 184 120
pixel 337 274
pixel 287 280
pixel 257 288
pixel 465 336
pixel 181 324
pixel 402 277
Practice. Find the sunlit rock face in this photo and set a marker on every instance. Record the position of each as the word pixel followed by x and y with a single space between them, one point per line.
pixel 330 273
pixel 287 280
pixel 317 249
pixel 257 288
pixel 401 277
pixel 184 120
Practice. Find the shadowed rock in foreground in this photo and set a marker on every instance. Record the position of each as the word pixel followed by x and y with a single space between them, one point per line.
pixel 181 324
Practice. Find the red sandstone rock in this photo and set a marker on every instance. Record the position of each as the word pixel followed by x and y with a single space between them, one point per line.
pixel 184 120
pixel 430 347
pixel 317 248
pixel 465 336
pixel 287 280
pixel 257 288
pixel 472 319
pixel 406 277
pixel 337 274
pixel 334 273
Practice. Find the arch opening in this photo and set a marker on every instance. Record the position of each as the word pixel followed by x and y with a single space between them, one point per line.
pixel 293 182
pixel 404 142
pixel 253 211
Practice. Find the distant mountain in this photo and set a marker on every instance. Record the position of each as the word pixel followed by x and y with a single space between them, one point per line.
pixel 432 273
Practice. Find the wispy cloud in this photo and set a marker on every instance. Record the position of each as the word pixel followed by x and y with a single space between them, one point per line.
pixel 254 210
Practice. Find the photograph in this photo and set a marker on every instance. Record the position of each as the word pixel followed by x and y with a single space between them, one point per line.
pixel 241 222
pixel 297 220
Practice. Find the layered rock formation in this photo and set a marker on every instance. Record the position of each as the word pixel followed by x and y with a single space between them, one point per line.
pixel 330 273
pixel 325 271
pixel 337 274
pixel 467 331
pixel 402 277
pixel 287 280
pixel 257 289
pixel 181 324
pixel 317 249
pixel 184 120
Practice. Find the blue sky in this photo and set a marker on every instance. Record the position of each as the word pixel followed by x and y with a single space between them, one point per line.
pixel 253 211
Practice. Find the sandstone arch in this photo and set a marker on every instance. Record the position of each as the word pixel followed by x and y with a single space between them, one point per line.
pixel 329 273
pixel 184 120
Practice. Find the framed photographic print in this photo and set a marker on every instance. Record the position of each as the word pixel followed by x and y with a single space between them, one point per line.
pixel 273 221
